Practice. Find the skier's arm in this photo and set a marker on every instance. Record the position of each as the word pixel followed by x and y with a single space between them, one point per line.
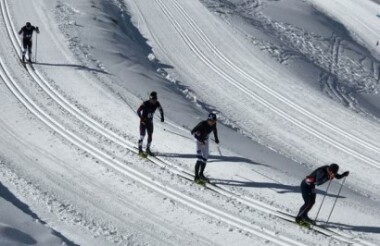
pixel 215 130
pixel 37 29
pixel 345 174
pixel 161 113
pixel 139 113
pixel 21 30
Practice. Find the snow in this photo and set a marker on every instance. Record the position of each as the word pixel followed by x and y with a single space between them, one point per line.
pixel 295 86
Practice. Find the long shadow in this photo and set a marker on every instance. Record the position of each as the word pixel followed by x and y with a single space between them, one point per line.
pixel 367 229
pixel 8 196
pixel 79 67
pixel 280 188
pixel 17 236
pixel 213 158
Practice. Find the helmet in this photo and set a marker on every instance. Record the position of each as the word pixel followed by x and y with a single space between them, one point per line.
pixel 211 116
pixel 153 95
pixel 334 168
pixel 28 24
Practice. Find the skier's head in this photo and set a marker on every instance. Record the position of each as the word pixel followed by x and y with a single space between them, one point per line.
pixel 334 168
pixel 153 95
pixel 211 117
pixel 28 25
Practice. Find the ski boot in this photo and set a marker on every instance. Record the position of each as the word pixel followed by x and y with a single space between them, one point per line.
pixel 308 220
pixel 304 221
pixel 141 153
pixel 203 178
pixel 199 181
pixel 148 152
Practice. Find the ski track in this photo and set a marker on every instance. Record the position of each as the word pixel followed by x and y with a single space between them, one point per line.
pixel 120 166
pixel 116 164
pixel 271 92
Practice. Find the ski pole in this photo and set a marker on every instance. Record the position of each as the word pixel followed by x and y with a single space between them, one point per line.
pixel 336 199
pixel 323 200
pixel 178 134
pixel 35 51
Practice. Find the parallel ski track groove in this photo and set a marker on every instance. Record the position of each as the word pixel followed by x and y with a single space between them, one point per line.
pixel 248 201
pixel 259 99
pixel 118 165
pixel 122 142
pixel 121 167
pixel 98 127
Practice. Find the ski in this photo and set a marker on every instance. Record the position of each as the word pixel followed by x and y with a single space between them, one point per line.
pixel 317 228
pixel 143 155
pixel 23 63
pixel 200 182
pixel 31 65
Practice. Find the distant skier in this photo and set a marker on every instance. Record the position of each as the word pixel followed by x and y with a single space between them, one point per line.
pixel 318 177
pixel 201 133
pixel 146 112
pixel 27 33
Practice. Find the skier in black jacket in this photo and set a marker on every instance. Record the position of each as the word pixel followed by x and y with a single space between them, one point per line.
pixel 318 177
pixel 27 33
pixel 146 112
pixel 201 133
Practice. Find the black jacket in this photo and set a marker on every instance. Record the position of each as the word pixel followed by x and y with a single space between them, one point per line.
pixel 27 33
pixel 147 109
pixel 202 131
pixel 320 176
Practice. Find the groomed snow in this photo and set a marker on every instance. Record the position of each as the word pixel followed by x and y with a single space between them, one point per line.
pixel 294 84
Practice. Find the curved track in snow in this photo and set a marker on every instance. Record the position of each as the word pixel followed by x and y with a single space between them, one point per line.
pixel 256 97
pixel 116 163
pixel 119 165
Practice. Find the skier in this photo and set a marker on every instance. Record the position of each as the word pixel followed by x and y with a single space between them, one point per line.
pixel 27 33
pixel 146 112
pixel 318 177
pixel 201 133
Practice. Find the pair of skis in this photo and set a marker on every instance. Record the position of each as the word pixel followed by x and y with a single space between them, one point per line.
pixel 24 62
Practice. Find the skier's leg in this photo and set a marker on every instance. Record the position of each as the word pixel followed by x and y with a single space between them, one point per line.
pixel 30 50
pixel 24 48
pixel 196 170
pixel 199 158
pixel 142 136
pixel 308 195
pixel 150 138
pixel 203 160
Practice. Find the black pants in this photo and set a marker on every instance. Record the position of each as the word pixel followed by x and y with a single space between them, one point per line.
pixel 27 45
pixel 308 195
pixel 146 128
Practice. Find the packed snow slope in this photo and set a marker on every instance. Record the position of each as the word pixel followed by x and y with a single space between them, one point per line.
pixel 294 84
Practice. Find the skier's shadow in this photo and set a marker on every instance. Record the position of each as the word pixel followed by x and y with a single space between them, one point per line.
pixel 252 184
pixel 8 196
pixel 213 158
pixel 79 67
pixel 367 229
pixel 280 188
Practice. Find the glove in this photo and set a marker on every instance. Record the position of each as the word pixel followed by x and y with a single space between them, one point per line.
pixel 162 119
pixel 37 29
pixel 217 141
pixel 345 174
pixel 142 120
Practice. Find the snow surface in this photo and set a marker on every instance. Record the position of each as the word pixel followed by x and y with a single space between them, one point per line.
pixel 295 85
